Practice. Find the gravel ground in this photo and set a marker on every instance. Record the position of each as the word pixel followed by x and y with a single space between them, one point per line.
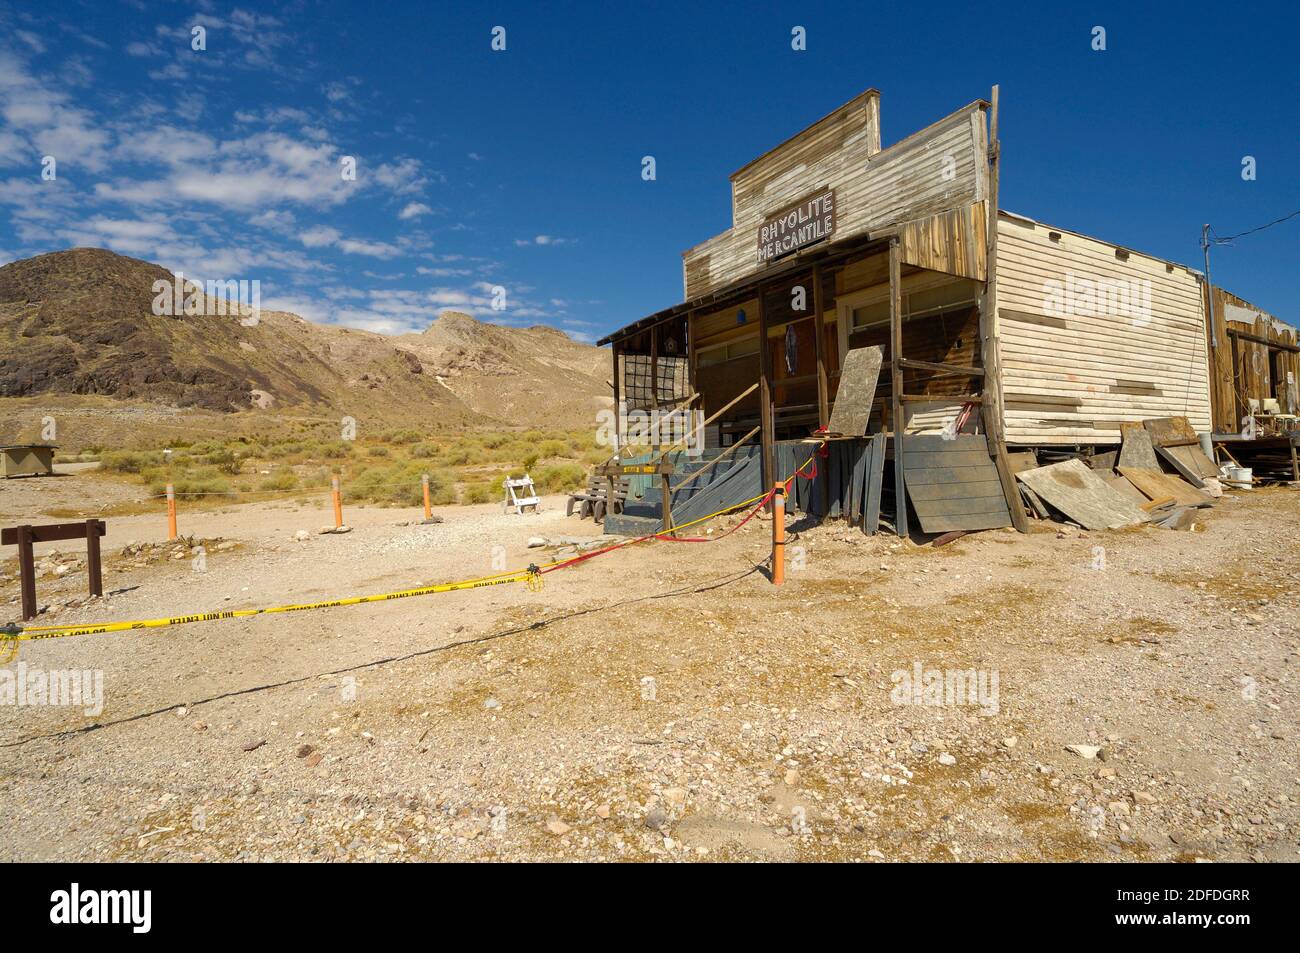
pixel 667 702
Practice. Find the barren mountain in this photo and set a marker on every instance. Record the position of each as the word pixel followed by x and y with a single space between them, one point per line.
pixel 519 374
pixel 82 322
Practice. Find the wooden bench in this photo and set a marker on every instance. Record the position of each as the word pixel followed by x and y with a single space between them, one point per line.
pixel 594 501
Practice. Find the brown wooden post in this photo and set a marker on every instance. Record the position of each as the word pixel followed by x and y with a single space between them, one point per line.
pixel 611 486
pixel 896 423
pixel 819 329
pixel 991 402
pixel 766 419
pixel 27 570
pixel 667 491
pixel 94 566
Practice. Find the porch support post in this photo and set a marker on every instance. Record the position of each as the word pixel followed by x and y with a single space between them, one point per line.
pixel 896 423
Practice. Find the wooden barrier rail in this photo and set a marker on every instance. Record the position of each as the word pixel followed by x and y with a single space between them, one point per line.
pixel 26 535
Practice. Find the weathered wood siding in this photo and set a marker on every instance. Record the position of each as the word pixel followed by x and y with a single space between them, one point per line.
pixel 939 168
pixel 1091 338
pixel 1242 369
pixel 952 242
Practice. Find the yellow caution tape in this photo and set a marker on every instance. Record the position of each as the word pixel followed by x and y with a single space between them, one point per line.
pixel 12 635
pixel 15 634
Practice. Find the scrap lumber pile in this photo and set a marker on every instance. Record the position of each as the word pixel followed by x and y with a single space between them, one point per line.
pixel 1160 475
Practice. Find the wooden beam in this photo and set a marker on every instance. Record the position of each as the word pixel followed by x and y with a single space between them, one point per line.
pixel 716 414
pixel 618 396
pixel 1256 339
pixel 947 370
pixel 819 330
pixel 896 422
pixel 765 417
pixel 991 407
pixel 941 398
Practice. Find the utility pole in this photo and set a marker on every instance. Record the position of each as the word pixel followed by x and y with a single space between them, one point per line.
pixel 1209 286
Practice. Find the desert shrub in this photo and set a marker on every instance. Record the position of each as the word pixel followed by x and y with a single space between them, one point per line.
pixel 129 461
pixel 400 437
pixel 559 477
pixel 530 461
pixel 399 484
pixel 478 493
pixel 423 451
pixel 202 482
pixel 461 454
pixel 279 482
pixel 552 448
pixel 378 451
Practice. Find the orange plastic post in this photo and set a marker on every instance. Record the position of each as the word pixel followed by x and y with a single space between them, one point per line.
pixel 424 482
pixel 171 511
pixel 778 534
pixel 337 494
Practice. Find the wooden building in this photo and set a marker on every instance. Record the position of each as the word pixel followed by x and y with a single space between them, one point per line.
pixel 996 330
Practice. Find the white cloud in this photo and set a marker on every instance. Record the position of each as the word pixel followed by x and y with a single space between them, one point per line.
pixel 31 39
pixel 542 240
pixel 414 210
pixel 319 236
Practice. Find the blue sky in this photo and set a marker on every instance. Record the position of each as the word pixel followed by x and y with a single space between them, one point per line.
pixel 521 169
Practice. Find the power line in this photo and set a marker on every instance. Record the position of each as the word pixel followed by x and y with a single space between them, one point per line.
pixel 1230 238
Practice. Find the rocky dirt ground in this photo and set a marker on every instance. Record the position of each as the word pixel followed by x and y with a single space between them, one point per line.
pixel 665 702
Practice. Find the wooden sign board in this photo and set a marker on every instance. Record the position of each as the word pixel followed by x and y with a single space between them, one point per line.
pixel 799 226
pixel 636 469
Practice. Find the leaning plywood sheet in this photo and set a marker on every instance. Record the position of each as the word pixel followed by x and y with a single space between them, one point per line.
pixel 857 390
pixel 1082 495
pixel 1170 431
pixel 1176 442
pixel 1124 488
pixel 1137 450
pixel 1156 485
pixel 953 484
pixel 1191 462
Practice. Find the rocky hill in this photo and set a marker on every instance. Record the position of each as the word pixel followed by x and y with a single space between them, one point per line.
pixel 81 323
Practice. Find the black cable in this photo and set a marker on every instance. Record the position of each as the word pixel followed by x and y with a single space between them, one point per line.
pixel 1230 238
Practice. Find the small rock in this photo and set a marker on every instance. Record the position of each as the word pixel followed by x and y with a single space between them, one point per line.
pixel 536 541
pixel 305 750
pixel 947 759
pixel 656 819
pixel 491 704
pixel 603 812
pixel 1010 742
pixel 254 745
pixel 558 827
pixel 1086 752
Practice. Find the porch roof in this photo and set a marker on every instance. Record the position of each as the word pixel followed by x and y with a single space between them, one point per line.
pixel 743 287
